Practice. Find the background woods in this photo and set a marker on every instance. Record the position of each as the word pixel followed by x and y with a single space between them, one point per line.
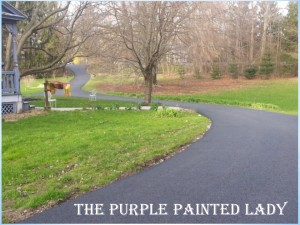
pixel 232 36
pixel 200 39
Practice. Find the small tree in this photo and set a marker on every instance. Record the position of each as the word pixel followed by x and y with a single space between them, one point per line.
pixel 233 71
pixel 215 74
pixel 197 72
pixel 289 64
pixel 250 73
pixel 266 66
pixel 181 71
pixel 143 32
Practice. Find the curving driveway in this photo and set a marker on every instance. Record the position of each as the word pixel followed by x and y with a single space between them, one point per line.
pixel 247 158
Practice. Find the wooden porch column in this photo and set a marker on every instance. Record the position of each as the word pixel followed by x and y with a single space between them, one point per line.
pixel 12 28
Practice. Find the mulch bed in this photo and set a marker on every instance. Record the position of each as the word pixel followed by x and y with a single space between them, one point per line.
pixel 185 86
pixel 23 115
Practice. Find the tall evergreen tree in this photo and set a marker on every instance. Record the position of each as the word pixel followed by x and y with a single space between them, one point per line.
pixel 289 56
pixel 266 66
pixel 290 30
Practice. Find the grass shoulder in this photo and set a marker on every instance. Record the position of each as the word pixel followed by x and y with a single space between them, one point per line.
pixel 78 102
pixel 53 157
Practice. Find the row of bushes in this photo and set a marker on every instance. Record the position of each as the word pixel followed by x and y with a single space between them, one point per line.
pixel 249 73
pixel 265 70
pixel 161 110
pixel 286 66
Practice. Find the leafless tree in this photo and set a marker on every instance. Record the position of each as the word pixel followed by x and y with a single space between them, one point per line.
pixel 143 32
pixel 53 32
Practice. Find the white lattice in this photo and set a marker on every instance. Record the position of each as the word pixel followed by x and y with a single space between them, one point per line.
pixel 8 108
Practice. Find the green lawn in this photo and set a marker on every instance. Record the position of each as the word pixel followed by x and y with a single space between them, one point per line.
pixel 272 95
pixel 53 157
pixel 35 86
pixel 102 79
pixel 110 79
pixel 77 102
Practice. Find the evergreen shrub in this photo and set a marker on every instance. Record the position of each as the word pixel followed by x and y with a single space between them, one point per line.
pixel 250 73
pixel 215 74
pixel 233 70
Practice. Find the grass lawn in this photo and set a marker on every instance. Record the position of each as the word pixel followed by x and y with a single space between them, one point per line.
pixel 272 95
pixel 109 79
pixel 122 79
pixel 33 86
pixel 77 102
pixel 57 156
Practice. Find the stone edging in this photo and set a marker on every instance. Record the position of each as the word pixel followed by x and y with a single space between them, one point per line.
pixel 144 108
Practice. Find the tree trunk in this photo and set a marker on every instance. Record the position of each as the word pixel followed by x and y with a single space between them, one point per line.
pixel 155 79
pixel 154 75
pixel 168 69
pixel 277 52
pixel 148 89
pixel 237 41
pixel 264 34
pixel 251 42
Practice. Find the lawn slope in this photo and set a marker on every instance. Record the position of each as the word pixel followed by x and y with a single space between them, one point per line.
pixel 272 95
pixel 50 158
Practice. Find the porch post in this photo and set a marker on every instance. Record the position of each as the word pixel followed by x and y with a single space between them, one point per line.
pixel 15 58
pixel 12 28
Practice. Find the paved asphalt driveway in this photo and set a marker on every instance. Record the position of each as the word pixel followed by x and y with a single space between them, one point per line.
pixel 247 158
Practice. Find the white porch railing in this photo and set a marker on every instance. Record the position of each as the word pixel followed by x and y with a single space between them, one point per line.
pixel 10 84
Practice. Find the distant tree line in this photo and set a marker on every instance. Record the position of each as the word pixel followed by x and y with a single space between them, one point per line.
pixel 200 38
